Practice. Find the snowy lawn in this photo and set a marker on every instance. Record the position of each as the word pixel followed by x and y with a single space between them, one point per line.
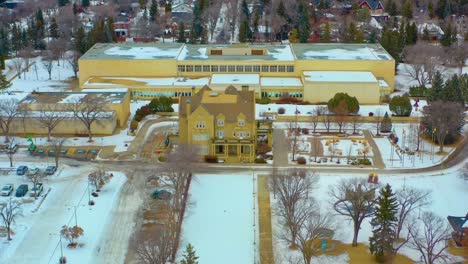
pixel 35 230
pixel 220 225
pixel 448 190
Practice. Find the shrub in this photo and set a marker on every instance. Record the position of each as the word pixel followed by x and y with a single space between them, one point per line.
pixel 142 112
pixel 401 106
pixel 365 161
pixel 211 159
pixel 301 160
pixel 351 103
pixel 91 203
pixel 305 131
pixel 161 104
pixel 263 148
pixel 281 110
pixel 371 114
pixel 263 100
pixel 260 160
pixel 162 158
pixel 418 91
pixel 63 260
pixel 287 100
pixel 385 99
pixel 133 125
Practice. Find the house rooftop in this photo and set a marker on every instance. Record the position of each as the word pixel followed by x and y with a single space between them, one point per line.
pixel 337 51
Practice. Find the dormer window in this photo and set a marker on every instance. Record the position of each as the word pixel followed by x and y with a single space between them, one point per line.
pixel 241 122
pixel 220 122
pixel 200 125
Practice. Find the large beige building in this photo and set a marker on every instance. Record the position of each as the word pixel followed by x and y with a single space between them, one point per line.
pixel 312 72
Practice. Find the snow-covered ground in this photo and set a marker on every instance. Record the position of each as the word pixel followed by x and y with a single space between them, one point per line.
pixel 426 157
pixel 36 240
pixel 221 224
pixel 448 192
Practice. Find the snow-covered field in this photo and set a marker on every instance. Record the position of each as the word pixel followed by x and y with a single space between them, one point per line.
pixel 221 224
pixel 36 237
pixel 448 192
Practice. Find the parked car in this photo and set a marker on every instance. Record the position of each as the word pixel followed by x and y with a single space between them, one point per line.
pixel 22 190
pixel 21 170
pixel 33 171
pixel 7 189
pixel 50 170
pixel 36 191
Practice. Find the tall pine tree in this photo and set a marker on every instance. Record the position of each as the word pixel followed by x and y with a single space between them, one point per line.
pixel 181 38
pixel 383 224
pixel 153 12
pixel 4 83
pixel 303 24
pixel 189 256
pixel 435 92
pixel 53 28
pixel 326 33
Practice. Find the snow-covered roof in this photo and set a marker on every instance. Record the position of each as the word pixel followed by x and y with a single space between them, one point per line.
pixel 339 76
pixel 337 51
pixel 383 83
pixel 66 114
pixel 240 79
pixel 137 51
pixel 280 81
pixel 128 81
pixel 236 52
pixel 431 27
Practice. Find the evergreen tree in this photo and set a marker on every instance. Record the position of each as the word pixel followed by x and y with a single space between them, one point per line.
pixel 372 37
pixel 245 33
pixel 430 9
pixel 63 2
pixel 383 224
pixel 449 36
pixel 303 25
pixel 426 36
pixel 109 35
pixel 2 62
pixel 197 21
pixel 435 92
pixel 407 9
pixel 53 28
pixel 85 3
pixel 281 11
pixel 16 38
pixel 5 46
pixel 245 10
pixel 392 8
pixel 293 38
pixel 360 35
pixel 79 41
pixel 153 12
pixel 323 4
pixel 192 39
pixel 386 125
pixel 75 8
pixel 181 38
pixel 326 33
pixel 441 8
pixel 351 33
pixel 189 256
pixel 452 91
pixel 4 83
pixel 401 105
pixel 411 34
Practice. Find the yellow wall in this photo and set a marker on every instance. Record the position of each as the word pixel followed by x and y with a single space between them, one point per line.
pixel 366 93
pixel 126 67
pixel 380 68
pixel 69 126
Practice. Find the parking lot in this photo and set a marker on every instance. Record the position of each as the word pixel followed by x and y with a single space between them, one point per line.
pixel 87 153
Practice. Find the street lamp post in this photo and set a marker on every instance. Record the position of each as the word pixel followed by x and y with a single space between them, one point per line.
pixel 61 246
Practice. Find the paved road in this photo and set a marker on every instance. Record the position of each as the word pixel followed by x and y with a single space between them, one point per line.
pixel 377 157
pixel 280 148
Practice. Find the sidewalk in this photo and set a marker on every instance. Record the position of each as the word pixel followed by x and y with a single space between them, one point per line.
pixel 280 148
pixel 264 220
pixel 378 162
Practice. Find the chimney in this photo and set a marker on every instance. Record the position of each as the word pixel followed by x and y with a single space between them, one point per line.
pixel 188 107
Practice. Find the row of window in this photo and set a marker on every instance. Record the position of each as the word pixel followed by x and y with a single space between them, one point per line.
pixel 280 94
pixel 159 94
pixel 241 134
pixel 236 68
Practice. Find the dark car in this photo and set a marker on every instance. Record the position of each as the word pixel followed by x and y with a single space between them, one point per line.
pixel 22 190
pixel 21 170
pixel 50 170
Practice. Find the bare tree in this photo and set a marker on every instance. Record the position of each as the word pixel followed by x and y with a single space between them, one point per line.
pixel 355 123
pixel 292 188
pixel 315 227
pixel 35 179
pixel 50 117
pixel 410 199
pixel 378 117
pixel 11 150
pixel 73 61
pixel 457 56
pixel 315 118
pixel 231 17
pixel 58 47
pixel 8 111
pixel 354 198
pixel 9 212
pixel 176 174
pixel 341 115
pixel 444 118
pixel 48 59
pixel 423 60
pixel 326 118
pixel 153 247
pixel 88 110
pixel 57 145
pixel 26 54
pixel 432 239
pixel 212 15
pixel 18 65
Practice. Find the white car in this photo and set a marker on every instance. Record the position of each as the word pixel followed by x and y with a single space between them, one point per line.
pixel 7 189
pixel 33 171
